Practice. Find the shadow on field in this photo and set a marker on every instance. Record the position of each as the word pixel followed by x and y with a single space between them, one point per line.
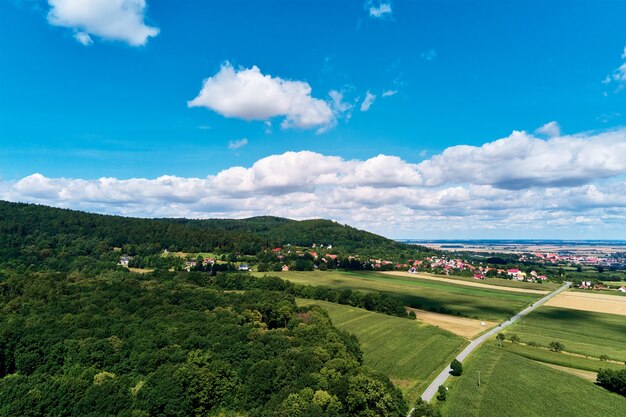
pixel 460 307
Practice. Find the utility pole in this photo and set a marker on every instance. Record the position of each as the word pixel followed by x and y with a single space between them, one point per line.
pixel 478 372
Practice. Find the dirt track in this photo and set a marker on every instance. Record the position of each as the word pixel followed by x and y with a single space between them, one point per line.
pixel 466 283
pixel 599 303
pixel 460 326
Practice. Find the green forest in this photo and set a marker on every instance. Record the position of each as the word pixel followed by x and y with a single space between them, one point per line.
pixel 125 345
pixel 82 336
pixel 34 237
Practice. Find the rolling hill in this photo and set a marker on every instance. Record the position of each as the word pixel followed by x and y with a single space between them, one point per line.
pixel 31 235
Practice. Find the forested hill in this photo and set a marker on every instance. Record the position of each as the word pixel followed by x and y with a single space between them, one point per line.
pixel 34 234
pixel 301 233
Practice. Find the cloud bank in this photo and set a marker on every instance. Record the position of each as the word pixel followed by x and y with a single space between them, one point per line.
pixel 121 20
pixel 511 184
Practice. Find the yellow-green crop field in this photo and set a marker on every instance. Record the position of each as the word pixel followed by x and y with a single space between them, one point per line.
pixel 427 294
pixel 408 352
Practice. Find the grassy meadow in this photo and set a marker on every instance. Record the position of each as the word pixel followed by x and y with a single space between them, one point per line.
pixel 409 352
pixel 427 294
pixel 582 332
pixel 513 386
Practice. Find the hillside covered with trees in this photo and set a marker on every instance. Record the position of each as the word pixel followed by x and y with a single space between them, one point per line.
pixel 46 238
pixel 81 335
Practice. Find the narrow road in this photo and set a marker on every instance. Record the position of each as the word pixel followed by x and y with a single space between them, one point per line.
pixel 441 378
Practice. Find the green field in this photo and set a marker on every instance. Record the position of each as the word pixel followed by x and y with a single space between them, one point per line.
pixel 498 282
pixel 409 352
pixel 427 294
pixel 513 386
pixel 582 332
pixel 562 359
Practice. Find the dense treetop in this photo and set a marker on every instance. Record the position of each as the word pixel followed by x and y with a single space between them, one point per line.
pixel 126 345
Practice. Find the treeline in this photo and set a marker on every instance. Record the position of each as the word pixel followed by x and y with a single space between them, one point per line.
pixel 371 301
pixel 127 345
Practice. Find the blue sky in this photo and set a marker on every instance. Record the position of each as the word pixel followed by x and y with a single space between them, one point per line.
pixel 83 96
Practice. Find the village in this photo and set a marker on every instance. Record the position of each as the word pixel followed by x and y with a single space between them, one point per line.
pixel 549 265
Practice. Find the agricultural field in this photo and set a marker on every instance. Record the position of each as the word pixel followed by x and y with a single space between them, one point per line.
pixel 489 282
pixel 424 294
pixel 571 361
pixel 409 352
pixel 460 326
pixel 581 332
pixel 514 386
pixel 589 301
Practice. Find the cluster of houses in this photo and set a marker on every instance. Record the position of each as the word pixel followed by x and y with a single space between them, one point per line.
pixel 447 265
pixel 479 272
pixel 326 257
pixel 589 285
pixel 518 275
pixel 192 262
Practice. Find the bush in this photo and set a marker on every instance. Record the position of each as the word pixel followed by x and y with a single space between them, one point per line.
pixel 423 409
pixel 514 338
pixel 457 368
pixel 442 392
pixel 604 358
pixel 613 380
pixel 556 346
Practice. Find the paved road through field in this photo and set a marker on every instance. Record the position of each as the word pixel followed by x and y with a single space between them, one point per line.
pixel 441 378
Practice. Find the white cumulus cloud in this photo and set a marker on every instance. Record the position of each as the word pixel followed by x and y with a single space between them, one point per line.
pixel 121 20
pixel 515 185
pixel 250 95
pixel 522 160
